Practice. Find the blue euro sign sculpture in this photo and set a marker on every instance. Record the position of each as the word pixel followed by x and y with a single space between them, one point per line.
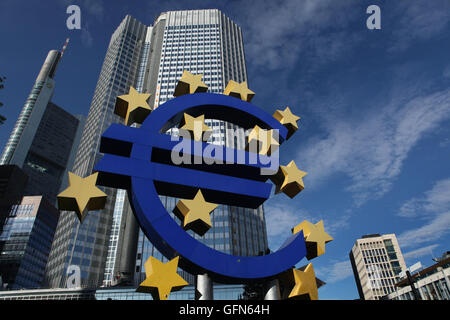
pixel 139 160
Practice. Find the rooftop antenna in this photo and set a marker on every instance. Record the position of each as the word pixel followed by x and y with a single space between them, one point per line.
pixel 51 74
pixel 432 256
pixel 64 47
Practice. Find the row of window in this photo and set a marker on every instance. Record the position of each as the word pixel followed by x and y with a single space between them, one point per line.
pixel 192 27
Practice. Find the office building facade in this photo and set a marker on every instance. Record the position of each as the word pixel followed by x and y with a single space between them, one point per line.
pixel 377 262
pixel 51 153
pixel 13 181
pixel 431 283
pixel 25 241
pixel 204 42
pixel 109 244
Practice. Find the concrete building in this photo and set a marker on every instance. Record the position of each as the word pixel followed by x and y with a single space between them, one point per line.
pixel 376 262
pixel 108 246
pixel 431 283
pixel 26 236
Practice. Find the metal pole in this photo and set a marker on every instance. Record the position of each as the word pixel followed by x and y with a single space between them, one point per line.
pixel 204 287
pixel 272 290
pixel 411 282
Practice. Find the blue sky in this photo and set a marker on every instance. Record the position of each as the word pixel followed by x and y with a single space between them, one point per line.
pixel 374 132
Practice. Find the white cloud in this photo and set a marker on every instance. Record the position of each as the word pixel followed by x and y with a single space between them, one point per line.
pixel 276 33
pixel 371 150
pixel 94 7
pixel 434 206
pixel 418 20
pixel 434 230
pixel 280 219
pixel 415 254
pixel 434 201
pixel 335 272
pixel 86 36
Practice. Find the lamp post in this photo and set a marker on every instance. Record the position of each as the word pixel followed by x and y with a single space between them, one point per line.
pixel 413 288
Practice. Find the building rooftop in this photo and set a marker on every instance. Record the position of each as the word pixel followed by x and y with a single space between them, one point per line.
pixel 375 235
pixel 444 263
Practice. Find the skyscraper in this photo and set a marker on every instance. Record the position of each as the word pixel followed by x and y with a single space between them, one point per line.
pixel 51 152
pixel 86 245
pixel 209 43
pixel 377 262
pixel 109 245
pixel 20 140
pixel 45 136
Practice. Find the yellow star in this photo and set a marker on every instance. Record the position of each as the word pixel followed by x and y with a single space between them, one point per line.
pixel 161 278
pixel 288 119
pixel 239 90
pixel 189 83
pixel 196 127
pixel 263 140
pixel 133 107
pixel 81 194
pixel 289 180
pixel 305 284
pixel 195 213
pixel 315 238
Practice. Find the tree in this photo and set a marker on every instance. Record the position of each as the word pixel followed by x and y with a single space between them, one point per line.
pixel 2 80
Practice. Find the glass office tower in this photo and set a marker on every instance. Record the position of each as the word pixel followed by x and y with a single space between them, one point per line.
pixel 86 244
pixel 25 240
pixel 45 137
pixel 209 43
pixel 19 141
pixel 109 245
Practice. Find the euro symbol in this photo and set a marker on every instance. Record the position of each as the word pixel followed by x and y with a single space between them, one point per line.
pixel 139 160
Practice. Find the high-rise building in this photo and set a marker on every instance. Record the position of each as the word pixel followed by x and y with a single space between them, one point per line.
pixel 13 182
pixel 45 136
pixel 204 42
pixel 108 246
pixel 376 262
pixel 51 153
pixel 22 135
pixel 26 237
pixel 86 245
